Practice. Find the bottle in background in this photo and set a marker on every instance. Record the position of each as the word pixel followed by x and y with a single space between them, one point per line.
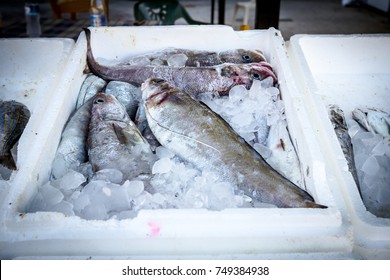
pixel 98 13
pixel 33 25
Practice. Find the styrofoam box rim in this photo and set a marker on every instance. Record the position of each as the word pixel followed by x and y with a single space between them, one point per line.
pixel 185 231
pixel 369 229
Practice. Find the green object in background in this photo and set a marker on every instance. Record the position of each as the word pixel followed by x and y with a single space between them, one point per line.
pixel 163 12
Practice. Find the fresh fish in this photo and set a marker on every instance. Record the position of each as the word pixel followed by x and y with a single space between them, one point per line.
pixel 91 86
pixel 193 58
pixel 373 120
pixel 114 142
pixel 194 80
pixel 337 118
pixel 72 152
pixel 195 133
pixel 127 94
pixel 13 119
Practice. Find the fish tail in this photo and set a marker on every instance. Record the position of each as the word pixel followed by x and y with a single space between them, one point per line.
pixel 93 66
pixel 8 161
pixel 311 204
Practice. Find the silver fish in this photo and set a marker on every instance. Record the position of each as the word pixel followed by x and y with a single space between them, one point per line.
pixel 373 120
pixel 72 152
pixel 195 133
pixel 194 80
pixel 91 86
pixel 127 94
pixel 114 142
pixel 194 58
pixel 337 118
pixel 13 119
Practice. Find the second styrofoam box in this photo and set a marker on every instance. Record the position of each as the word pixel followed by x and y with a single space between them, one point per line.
pixel 349 71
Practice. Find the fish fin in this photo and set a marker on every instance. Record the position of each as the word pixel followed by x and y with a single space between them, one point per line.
pixel 126 138
pixel 8 161
pixel 120 134
pixel 311 204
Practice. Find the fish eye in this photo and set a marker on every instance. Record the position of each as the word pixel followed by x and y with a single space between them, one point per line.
pixel 246 58
pixel 256 76
pixel 98 100
pixel 158 81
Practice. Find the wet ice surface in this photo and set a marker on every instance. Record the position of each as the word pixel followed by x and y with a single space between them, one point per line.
pixel 173 182
pixel 372 160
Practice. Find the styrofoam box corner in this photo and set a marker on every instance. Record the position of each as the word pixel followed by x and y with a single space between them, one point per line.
pixel 350 71
pixel 250 233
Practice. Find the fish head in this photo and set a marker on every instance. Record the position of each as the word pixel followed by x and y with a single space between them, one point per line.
pixel 242 56
pixel 245 74
pixel 106 107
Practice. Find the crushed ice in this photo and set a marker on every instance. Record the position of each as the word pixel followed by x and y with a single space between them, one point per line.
pixel 372 160
pixel 173 183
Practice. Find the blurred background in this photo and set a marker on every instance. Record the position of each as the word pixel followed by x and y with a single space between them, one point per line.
pixel 292 16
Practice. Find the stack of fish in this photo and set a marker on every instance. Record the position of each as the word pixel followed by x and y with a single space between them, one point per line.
pixel 154 100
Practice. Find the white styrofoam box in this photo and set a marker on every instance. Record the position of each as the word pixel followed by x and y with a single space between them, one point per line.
pixel 183 233
pixel 30 70
pixel 350 71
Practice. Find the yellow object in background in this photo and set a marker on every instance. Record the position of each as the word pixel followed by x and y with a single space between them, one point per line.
pixel 245 27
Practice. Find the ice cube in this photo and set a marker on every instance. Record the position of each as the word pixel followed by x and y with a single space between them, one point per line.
pixel 118 200
pixel 210 176
pixel 159 199
pixel 139 61
pixel 381 148
pixel 163 152
pixel 80 202
pixel 143 201
pixel 177 60
pixel 238 93
pixel 266 83
pixel 241 119
pixel 106 191
pixel 51 195
pixel 371 166
pixel 273 92
pixel 109 175
pixel 59 166
pixel 195 198
pixel 69 182
pixel 163 165
pixel 94 212
pixel 63 207
pixel 264 151
pixel 134 188
pixel 37 203
pixel 157 62
pixel 221 195
pixel 353 127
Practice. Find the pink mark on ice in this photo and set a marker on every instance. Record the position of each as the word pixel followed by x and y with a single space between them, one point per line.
pixel 154 229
